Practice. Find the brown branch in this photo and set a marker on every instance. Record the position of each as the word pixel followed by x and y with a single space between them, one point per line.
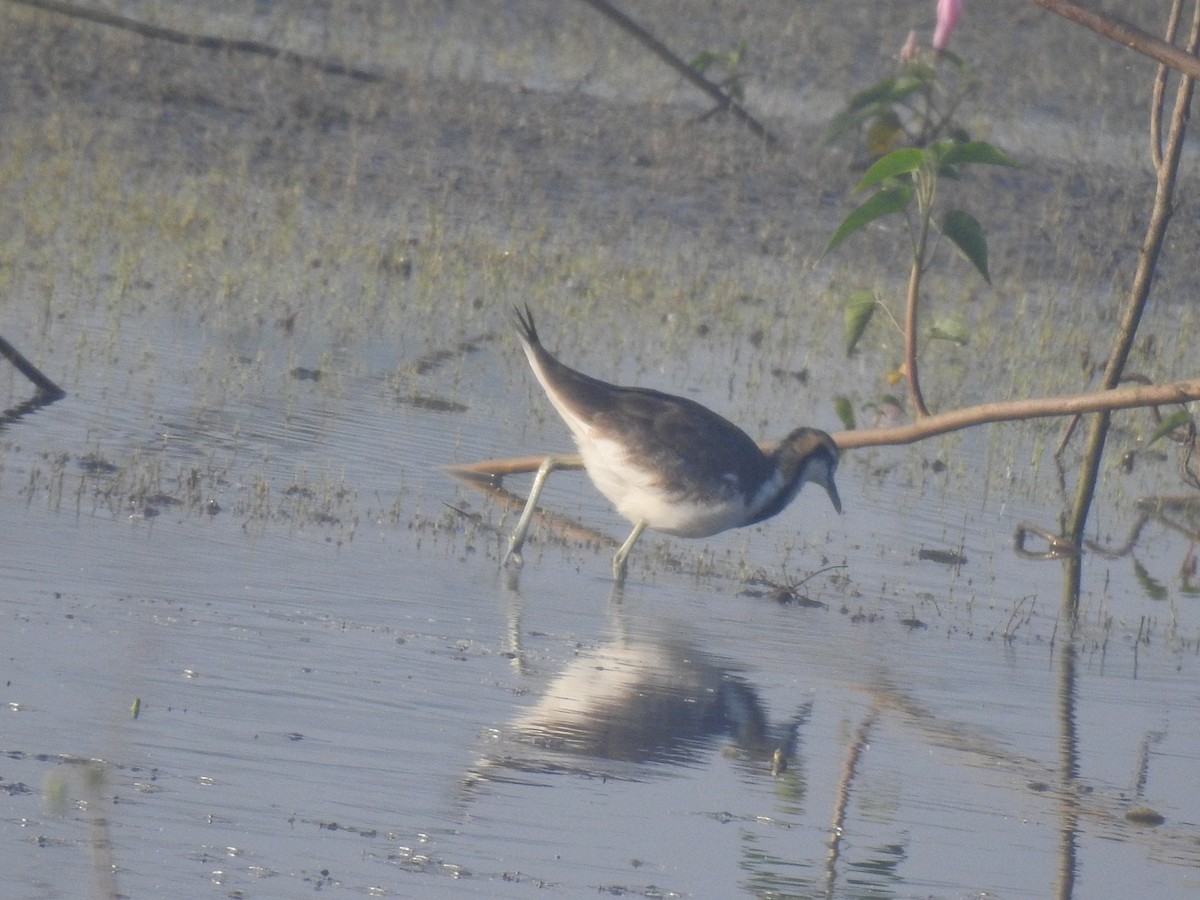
pixel 1123 33
pixel 1013 410
pixel 1135 304
pixel 929 426
pixel 663 52
pixel 495 469
pixel 1160 89
pixel 203 41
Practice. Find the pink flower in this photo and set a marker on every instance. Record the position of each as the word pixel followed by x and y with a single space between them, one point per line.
pixel 947 15
pixel 910 52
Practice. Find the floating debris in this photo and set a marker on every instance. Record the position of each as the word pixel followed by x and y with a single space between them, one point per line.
pixel 300 373
pixel 945 557
pixel 1144 815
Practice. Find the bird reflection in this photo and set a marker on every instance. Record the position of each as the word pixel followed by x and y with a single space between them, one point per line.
pixel 648 697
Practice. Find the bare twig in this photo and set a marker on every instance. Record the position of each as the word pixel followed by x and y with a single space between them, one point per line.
pixel 659 49
pixel 1069 431
pixel 203 41
pixel 1160 89
pixel 1139 292
pixel 1124 33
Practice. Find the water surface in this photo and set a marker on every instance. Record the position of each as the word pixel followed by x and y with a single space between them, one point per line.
pixel 279 314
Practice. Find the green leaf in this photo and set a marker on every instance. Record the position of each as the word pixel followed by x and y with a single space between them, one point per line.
pixel 703 61
pixel 845 412
pixel 954 153
pixel 885 201
pixel 950 330
pixel 1178 419
pixel 967 234
pixel 876 101
pixel 846 120
pixel 738 55
pixel 730 59
pixel 898 162
pixel 860 306
pixel 1153 588
pixel 884 133
pixel 878 93
pixel 850 119
pixel 916 77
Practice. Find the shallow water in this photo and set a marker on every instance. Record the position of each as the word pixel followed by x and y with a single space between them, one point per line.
pixel 370 703
pixel 241 524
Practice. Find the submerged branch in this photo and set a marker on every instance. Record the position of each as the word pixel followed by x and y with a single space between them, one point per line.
pixel 929 426
pixel 47 390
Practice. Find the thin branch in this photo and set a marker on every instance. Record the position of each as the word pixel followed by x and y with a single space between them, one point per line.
pixel 663 52
pixel 1160 89
pixel 1014 410
pixel 203 41
pixel 1139 292
pixel 494 469
pixel 930 426
pixel 1124 33
pixel 1166 167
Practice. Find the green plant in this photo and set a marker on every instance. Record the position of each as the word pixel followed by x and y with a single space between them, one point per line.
pixel 729 61
pixel 914 108
pixel 905 181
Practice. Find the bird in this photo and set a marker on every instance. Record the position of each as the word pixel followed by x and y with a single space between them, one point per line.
pixel 668 463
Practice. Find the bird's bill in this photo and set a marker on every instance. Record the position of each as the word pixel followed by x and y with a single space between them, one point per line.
pixel 833 494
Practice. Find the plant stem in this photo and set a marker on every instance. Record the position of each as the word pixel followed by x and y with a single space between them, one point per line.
pixel 910 324
pixel 926 182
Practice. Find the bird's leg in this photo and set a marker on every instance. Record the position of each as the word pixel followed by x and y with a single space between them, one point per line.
pixel 622 557
pixel 549 464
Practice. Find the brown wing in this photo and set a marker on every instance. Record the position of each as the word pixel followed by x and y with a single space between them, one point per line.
pixel 698 452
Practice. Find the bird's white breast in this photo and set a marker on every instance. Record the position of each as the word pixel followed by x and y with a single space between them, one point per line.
pixel 638 496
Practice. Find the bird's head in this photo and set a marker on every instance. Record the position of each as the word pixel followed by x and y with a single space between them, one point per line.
pixel 808 454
